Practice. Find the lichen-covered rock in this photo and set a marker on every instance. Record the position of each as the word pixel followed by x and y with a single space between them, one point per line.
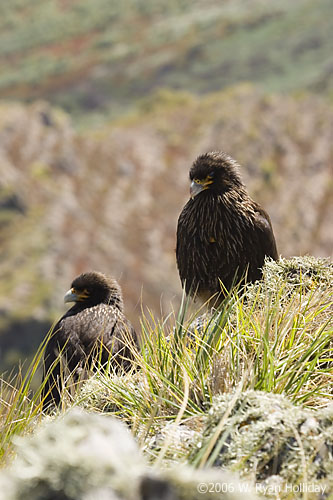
pixel 85 456
pixel 179 439
pixel 266 437
pixel 97 392
pixel 306 269
pixel 74 455
pixel 307 272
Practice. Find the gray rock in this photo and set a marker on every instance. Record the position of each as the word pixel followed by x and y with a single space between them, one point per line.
pixel 73 456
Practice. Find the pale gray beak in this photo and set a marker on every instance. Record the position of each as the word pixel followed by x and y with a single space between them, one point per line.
pixel 195 188
pixel 70 296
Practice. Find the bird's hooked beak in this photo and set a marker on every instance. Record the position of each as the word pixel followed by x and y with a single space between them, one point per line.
pixel 74 296
pixel 198 185
pixel 195 189
pixel 70 296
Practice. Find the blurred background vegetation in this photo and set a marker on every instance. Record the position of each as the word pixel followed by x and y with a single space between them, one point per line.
pixel 103 107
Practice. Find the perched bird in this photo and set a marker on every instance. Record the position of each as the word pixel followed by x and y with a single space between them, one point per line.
pixel 94 328
pixel 223 236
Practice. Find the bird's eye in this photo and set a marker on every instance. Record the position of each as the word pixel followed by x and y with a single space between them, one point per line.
pixel 197 181
pixel 84 294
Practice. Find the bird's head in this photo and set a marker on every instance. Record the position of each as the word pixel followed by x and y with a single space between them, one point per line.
pixel 94 288
pixel 216 172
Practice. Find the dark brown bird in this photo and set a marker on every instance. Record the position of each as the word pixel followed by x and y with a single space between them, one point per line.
pixel 94 328
pixel 222 234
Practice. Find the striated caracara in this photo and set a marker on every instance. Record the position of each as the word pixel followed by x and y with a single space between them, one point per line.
pixel 94 328
pixel 223 235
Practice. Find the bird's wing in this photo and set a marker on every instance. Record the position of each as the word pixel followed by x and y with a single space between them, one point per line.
pixel 265 233
pixel 189 244
pixel 101 332
pixel 51 371
pixel 63 354
pixel 119 338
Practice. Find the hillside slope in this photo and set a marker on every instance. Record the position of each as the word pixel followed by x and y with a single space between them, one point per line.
pixel 110 200
pixel 97 55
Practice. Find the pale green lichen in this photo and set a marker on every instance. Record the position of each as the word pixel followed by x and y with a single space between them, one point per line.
pixel 265 436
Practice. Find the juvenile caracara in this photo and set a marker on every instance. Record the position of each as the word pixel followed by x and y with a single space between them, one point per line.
pixel 222 234
pixel 94 328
